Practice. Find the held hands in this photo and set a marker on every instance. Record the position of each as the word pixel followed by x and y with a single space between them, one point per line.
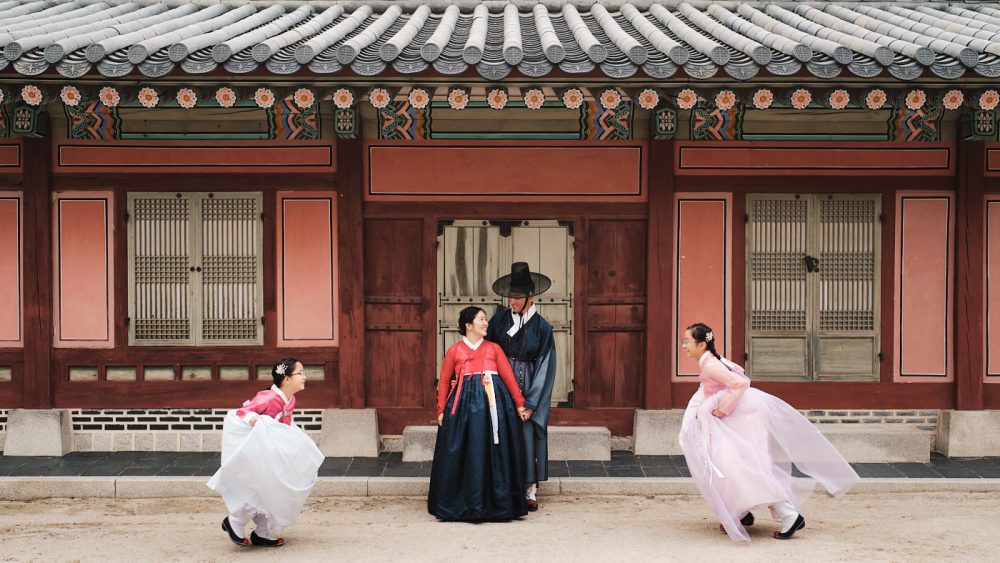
pixel 524 413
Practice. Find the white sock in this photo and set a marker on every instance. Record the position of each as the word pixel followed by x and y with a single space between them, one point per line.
pixel 786 512
pixel 530 491
pixel 262 529
pixel 238 520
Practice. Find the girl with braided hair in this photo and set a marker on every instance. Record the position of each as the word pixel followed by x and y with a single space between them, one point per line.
pixel 740 444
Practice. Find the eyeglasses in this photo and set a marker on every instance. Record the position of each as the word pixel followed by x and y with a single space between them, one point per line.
pixel 302 373
pixel 686 341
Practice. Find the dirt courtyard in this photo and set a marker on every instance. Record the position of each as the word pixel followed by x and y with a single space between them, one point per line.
pixel 861 527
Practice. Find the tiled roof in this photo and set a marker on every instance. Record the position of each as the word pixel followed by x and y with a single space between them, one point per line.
pixel 644 39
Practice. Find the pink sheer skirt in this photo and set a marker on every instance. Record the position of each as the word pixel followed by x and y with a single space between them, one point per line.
pixel 744 460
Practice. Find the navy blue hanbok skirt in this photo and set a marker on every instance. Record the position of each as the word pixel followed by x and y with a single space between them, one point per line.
pixel 473 479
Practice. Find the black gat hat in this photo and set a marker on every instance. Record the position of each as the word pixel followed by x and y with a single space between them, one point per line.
pixel 521 281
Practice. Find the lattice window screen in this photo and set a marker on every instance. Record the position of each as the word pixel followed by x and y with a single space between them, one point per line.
pixel 777 278
pixel 195 268
pixel 812 286
pixel 848 240
pixel 230 248
pixel 160 257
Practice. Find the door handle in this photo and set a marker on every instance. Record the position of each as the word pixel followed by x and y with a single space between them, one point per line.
pixel 812 264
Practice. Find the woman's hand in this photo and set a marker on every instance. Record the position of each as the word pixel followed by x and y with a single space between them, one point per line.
pixel 440 419
pixel 253 421
pixel 717 413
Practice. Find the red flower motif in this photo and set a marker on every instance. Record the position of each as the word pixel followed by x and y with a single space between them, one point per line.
pixel 687 98
pixel 839 99
pixel 725 100
pixel 801 98
pixel 572 98
pixel 648 99
pixel 763 98
pixel 534 98
pixel 876 99
pixel 953 99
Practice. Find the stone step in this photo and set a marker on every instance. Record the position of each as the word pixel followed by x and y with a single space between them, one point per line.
pixel 885 444
pixel 565 442
pixel 656 434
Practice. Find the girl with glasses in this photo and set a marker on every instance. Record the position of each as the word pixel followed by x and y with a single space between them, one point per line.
pixel 740 444
pixel 269 465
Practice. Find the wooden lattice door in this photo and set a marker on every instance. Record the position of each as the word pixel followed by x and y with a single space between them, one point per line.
pixel 472 254
pixel 812 286
pixel 195 268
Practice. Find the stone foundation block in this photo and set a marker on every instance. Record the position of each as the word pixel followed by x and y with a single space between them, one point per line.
pixel 340 487
pixel 36 432
pixel 580 442
pixel 418 443
pixel 884 444
pixel 398 487
pixel 656 432
pixel 565 442
pixel 34 488
pixel 349 433
pixel 968 433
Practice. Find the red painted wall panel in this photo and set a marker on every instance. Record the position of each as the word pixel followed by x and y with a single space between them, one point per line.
pixel 702 256
pixel 10 270
pixel 83 271
pixel 993 289
pixel 506 172
pixel 923 304
pixel 195 156
pixel 306 252
pixel 798 158
pixel 10 156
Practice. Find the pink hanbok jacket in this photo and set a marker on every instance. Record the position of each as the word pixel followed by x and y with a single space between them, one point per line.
pixel 271 402
pixel 715 376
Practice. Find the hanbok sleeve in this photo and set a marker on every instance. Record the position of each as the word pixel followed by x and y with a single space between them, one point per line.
pixel 735 383
pixel 507 375
pixel 444 381
pixel 254 407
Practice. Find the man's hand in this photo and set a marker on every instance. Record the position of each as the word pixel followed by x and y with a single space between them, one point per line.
pixel 440 419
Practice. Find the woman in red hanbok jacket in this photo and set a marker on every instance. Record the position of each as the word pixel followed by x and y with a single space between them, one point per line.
pixel 478 469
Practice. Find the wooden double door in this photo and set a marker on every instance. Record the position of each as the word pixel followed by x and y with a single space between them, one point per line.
pixel 813 286
pixel 472 254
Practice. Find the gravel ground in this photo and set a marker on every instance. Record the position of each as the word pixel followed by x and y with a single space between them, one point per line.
pixel 860 527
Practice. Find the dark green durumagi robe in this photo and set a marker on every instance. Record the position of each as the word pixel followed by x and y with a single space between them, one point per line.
pixel 532 354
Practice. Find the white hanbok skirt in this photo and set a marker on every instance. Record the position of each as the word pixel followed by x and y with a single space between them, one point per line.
pixel 744 460
pixel 270 467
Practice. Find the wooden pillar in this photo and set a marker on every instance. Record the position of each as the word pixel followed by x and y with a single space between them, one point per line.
pixel 659 275
pixel 38 376
pixel 350 188
pixel 969 286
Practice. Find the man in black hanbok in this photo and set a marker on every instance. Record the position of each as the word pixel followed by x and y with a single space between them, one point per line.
pixel 526 339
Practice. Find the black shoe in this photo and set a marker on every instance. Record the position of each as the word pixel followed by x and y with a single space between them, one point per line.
pixel 242 542
pixel 747 520
pixel 257 540
pixel 532 505
pixel 800 523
